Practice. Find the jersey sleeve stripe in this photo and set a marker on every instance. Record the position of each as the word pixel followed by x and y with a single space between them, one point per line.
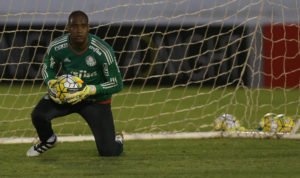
pixel 60 40
pixel 64 39
pixel 44 72
pixel 112 83
pixel 107 54
pixel 105 50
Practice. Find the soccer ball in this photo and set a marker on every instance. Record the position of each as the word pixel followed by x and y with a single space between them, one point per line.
pixel 268 123
pixel 285 123
pixel 67 84
pixel 276 123
pixel 227 122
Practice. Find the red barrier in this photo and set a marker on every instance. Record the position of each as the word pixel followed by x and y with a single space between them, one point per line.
pixel 281 48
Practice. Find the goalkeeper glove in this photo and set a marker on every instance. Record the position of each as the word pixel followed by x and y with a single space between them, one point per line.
pixel 78 96
pixel 52 91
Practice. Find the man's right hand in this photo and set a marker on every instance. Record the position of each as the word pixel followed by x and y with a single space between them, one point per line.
pixel 52 91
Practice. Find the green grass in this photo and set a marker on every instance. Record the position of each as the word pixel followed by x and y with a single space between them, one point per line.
pixel 234 158
pixel 148 109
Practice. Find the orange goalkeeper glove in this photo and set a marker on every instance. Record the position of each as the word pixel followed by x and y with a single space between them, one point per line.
pixel 78 96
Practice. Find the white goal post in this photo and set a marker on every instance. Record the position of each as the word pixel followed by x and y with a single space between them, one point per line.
pixel 184 63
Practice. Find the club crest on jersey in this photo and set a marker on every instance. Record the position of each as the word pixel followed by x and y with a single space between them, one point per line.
pixel 90 61
pixel 67 60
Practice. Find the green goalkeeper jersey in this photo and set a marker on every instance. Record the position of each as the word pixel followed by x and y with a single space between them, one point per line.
pixel 95 66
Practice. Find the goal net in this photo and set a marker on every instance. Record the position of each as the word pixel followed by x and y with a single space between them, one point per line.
pixel 184 63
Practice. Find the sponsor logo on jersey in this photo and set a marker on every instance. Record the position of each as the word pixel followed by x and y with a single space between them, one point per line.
pixel 61 46
pixel 90 61
pixel 84 74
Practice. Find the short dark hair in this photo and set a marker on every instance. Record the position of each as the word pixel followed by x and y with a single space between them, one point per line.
pixel 78 13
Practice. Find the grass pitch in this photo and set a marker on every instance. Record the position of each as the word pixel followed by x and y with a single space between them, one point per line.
pixel 154 110
pixel 234 158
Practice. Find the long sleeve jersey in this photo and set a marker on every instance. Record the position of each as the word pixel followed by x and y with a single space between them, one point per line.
pixel 96 66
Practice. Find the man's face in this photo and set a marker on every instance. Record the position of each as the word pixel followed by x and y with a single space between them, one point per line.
pixel 78 28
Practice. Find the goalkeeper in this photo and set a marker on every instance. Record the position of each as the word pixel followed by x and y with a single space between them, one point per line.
pixel 90 58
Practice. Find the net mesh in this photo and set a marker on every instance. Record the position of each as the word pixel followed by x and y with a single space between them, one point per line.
pixel 184 62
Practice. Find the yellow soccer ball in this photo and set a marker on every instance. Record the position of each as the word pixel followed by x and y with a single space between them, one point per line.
pixel 268 123
pixel 67 84
pixel 286 123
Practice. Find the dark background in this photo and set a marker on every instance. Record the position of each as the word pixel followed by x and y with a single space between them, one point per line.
pixel 157 55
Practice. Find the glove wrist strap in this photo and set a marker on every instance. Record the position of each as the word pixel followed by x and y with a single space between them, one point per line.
pixel 92 89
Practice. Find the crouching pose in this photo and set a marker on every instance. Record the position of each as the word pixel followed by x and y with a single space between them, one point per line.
pixel 88 57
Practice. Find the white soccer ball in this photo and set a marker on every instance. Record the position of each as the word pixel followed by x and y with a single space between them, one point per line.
pixel 67 84
pixel 227 122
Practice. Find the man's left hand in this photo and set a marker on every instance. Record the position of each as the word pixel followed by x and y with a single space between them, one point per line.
pixel 78 96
